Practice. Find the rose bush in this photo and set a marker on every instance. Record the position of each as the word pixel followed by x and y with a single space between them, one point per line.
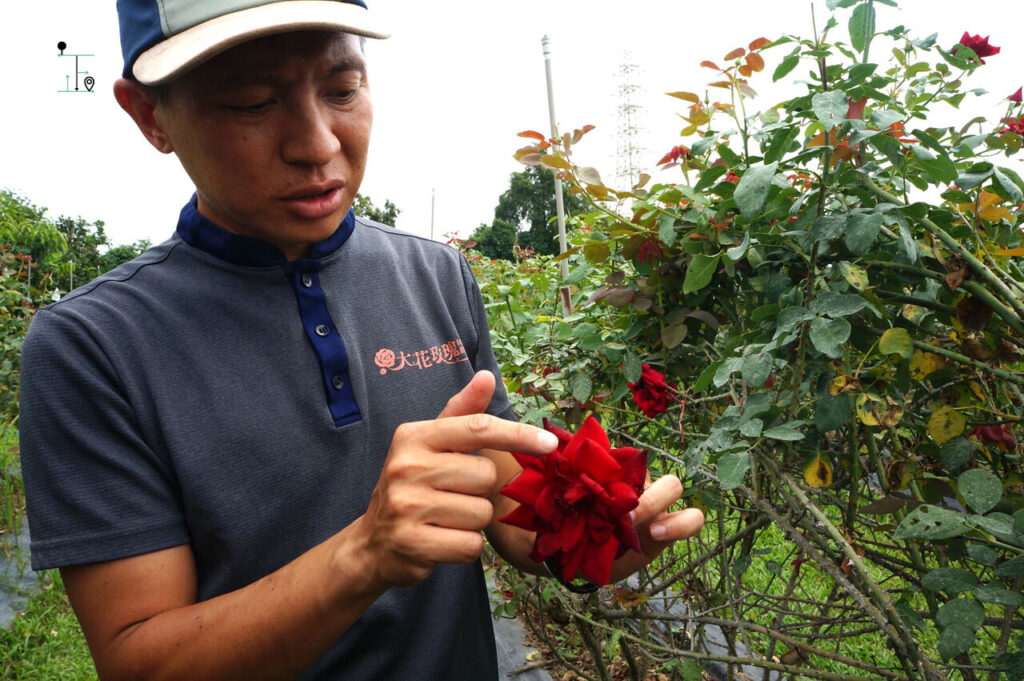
pixel 835 285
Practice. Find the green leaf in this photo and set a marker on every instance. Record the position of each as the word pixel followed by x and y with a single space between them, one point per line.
pixel 950 580
pixel 999 525
pixel 834 304
pixel 982 554
pixel 855 276
pixel 1011 189
pixel 786 432
pixel 596 252
pixel 751 428
pixel 896 341
pixel 931 522
pixel 1011 568
pixel 832 411
pixel 737 252
pixel 667 230
pixel 862 26
pixel 785 66
pixel 861 231
pixel 980 488
pixel 632 368
pixel 673 334
pixel 756 369
pixel 752 189
pixel 704 380
pixel 957 452
pixel 955 639
pixel 1000 594
pixel 828 336
pixel 731 469
pixel 828 227
pixel 699 272
pixel 830 108
pixel 581 387
pixel 966 611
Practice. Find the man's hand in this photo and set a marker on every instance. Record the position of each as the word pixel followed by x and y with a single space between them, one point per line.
pixel 433 498
pixel 656 526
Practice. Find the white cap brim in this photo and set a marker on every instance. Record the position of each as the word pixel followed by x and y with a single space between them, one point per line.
pixel 179 53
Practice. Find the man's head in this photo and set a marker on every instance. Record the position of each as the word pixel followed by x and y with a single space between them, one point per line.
pixel 272 128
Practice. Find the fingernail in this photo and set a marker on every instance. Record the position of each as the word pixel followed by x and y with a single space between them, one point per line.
pixel 547 440
pixel 658 531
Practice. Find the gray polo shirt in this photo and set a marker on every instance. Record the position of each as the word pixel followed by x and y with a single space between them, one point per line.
pixel 211 393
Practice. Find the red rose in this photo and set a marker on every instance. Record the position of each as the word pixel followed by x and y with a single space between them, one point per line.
pixel 577 499
pixel 1000 437
pixel 979 45
pixel 1013 125
pixel 650 393
pixel 1017 96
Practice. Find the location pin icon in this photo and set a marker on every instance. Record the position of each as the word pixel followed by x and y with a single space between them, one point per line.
pixel 89 83
pixel 62 46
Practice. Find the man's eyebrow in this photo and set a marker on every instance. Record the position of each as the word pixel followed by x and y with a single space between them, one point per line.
pixel 271 77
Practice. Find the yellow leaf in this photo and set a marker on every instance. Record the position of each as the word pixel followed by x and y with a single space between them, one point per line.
pixel 896 341
pixel 842 384
pixel 818 471
pixel 866 407
pixel 688 96
pixel 995 214
pixel 555 162
pixel 1010 251
pixel 945 424
pixel 976 389
pixel 924 363
pixel 989 199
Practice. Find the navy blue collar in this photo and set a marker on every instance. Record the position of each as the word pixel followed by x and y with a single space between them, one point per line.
pixel 248 251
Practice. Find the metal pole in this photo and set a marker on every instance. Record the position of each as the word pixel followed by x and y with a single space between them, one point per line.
pixel 559 205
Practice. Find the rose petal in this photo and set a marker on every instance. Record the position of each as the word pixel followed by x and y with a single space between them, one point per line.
pixel 633 463
pixel 525 487
pixel 572 531
pixel 548 544
pixel 622 499
pixel 597 564
pixel 587 456
pixel 592 430
pixel 626 533
pixel 523 517
pixel 563 436
pixel 546 506
pixel 529 461
pixel 570 561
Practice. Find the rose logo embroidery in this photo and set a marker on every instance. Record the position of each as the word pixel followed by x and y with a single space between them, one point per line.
pixel 385 359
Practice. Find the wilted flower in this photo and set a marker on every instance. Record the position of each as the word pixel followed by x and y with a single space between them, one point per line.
pixel 651 392
pixel 1001 437
pixel 577 499
pixel 979 45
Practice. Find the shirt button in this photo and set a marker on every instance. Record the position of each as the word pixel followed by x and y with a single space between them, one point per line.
pixel 338 382
pixel 321 330
pixel 307 280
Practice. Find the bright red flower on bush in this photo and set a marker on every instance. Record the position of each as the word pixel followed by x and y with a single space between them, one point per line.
pixel 979 45
pixel 1017 96
pixel 651 392
pixel 1001 437
pixel 1013 125
pixel 577 499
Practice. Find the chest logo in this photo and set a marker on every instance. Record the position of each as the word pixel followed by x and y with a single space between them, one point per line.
pixel 451 352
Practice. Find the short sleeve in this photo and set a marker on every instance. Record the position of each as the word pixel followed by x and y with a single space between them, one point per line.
pixel 95 490
pixel 484 357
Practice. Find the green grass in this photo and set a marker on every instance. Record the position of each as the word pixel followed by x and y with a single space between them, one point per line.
pixel 44 643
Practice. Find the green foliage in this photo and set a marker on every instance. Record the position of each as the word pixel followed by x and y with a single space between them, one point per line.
pixel 835 289
pixel 364 207
pixel 526 216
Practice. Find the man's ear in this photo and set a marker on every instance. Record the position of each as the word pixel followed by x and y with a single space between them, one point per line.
pixel 140 103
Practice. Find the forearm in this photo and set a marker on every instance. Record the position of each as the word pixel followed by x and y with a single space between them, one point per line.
pixel 274 628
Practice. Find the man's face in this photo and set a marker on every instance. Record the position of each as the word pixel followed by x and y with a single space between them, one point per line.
pixel 274 133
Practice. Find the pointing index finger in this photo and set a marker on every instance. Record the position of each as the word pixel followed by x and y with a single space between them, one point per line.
pixel 481 431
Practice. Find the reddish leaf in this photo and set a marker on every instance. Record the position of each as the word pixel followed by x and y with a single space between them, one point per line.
pixel 532 134
pixel 755 61
pixel 758 44
pixel 710 65
pixel 735 54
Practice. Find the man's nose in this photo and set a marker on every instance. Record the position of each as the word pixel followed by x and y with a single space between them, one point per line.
pixel 307 136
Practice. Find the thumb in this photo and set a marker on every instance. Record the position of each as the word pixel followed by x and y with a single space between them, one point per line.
pixel 472 399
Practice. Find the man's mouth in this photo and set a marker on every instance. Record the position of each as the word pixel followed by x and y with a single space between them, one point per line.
pixel 315 203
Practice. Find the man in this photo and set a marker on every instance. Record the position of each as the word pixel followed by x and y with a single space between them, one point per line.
pixel 229 445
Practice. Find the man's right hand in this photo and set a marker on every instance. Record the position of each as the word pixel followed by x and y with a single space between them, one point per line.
pixel 433 497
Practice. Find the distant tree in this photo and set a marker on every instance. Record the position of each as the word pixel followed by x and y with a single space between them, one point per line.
pixel 25 229
pixel 528 207
pixel 118 255
pixel 364 207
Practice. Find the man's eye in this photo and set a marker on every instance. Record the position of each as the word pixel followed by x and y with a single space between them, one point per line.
pixel 343 95
pixel 258 107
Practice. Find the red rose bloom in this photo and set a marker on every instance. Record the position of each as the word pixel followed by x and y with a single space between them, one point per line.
pixel 650 393
pixel 1000 437
pixel 979 45
pixel 577 499
pixel 1013 125
pixel 674 154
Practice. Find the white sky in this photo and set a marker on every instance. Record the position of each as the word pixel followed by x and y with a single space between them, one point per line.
pixel 451 89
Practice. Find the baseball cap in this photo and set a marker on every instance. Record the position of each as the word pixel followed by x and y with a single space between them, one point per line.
pixel 161 39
